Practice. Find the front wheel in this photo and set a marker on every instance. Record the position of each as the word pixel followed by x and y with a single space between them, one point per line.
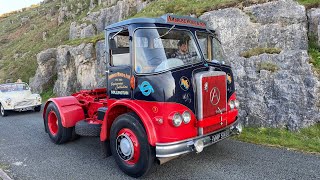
pixel 130 146
pixel 57 133
pixel 2 111
pixel 37 108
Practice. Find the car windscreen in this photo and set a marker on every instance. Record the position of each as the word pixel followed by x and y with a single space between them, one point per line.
pixel 161 49
pixel 13 87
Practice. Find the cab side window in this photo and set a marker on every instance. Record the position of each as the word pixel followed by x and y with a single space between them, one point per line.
pixel 119 45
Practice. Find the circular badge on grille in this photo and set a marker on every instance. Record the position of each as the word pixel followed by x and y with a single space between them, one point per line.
pixel 214 96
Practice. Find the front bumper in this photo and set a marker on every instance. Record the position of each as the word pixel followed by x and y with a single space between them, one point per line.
pixel 21 107
pixel 166 150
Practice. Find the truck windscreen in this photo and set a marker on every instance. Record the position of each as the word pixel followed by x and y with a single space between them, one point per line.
pixel 161 49
pixel 210 47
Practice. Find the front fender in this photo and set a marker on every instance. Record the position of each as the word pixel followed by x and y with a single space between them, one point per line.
pixel 4 104
pixel 143 115
pixel 69 108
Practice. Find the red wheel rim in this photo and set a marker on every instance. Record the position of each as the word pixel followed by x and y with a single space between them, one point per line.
pixel 53 123
pixel 131 153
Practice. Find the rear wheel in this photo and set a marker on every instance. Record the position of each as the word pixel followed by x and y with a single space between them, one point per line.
pixel 130 147
pixel 57 133
pixel 2 111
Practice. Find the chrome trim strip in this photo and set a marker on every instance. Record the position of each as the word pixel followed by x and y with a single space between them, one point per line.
pixel 185 146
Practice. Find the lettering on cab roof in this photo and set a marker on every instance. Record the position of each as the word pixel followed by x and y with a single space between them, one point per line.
pixel 184 20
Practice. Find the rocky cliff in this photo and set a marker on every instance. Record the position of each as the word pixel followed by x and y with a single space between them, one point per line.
pixel 275 90
pixel 286 96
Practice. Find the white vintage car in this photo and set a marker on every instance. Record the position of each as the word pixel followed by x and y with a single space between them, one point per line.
pixel 18 97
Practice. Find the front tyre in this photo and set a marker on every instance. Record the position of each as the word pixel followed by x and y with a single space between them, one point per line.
pixel 57 133
pixel 2 111
pixel 37 108
pixel 130 147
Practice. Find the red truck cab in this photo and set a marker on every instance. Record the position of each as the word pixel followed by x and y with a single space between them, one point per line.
pixel 169 92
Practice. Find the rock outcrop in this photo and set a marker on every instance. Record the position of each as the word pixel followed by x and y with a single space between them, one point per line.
pixel 287 97
pixel 314 23
pixel 74 68
pixel 97 21
pixel 46 72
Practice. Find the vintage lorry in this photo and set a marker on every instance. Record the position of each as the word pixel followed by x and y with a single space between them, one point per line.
pixel 169 92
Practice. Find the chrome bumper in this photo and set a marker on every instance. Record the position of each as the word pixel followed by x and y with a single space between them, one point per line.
pixel 21 108
pixel 165 150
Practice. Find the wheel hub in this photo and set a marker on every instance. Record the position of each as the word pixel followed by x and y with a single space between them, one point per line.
pixel 53 123
pixel 125 147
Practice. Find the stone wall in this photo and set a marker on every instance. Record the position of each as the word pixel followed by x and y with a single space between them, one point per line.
pixel 287 97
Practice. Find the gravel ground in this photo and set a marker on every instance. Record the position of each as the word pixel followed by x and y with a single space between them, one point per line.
pixel 29 153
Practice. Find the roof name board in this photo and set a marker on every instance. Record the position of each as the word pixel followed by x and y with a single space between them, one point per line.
pixel 185 21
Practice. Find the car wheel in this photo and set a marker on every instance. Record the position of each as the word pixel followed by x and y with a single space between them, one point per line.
pixel 57 133
pixel 2 111
pixel 130 147
pixel 37 108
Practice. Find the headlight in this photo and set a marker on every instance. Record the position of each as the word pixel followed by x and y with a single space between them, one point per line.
pixel 231 104
pixel 186 117
pixel 177 120
pixel 8 101
pixel 236 103
pixel 39 98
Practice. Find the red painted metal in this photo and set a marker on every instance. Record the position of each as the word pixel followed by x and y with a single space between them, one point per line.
pixel 136 145
pixel 209 121
pixel 215 97
pixel 214 105
pixel 92 100
pixel 53 123
pixel 69 108
pixel 156 132
pixel 80 106
pixel 212 123
pixel 155 116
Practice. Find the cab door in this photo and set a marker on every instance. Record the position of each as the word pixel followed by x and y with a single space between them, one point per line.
pixel 119 64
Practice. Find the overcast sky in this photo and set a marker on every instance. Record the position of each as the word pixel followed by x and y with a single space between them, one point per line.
pixel 11 5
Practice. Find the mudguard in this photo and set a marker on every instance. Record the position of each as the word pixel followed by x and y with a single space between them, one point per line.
pixel 144 116
pixel 70 110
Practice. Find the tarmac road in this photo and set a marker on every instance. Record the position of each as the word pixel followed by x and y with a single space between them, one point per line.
pixel 30 154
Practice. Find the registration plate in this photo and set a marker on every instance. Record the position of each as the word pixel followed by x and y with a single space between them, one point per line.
pixel 220 135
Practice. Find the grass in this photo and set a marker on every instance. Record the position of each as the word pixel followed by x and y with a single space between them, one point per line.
pixel 187 7
pixel 4 166
pixel 306 140
pixel 93 39
pixel 24 41
pixel 257 51
pixel 47 95
pixel 269 66
pixel 310 3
